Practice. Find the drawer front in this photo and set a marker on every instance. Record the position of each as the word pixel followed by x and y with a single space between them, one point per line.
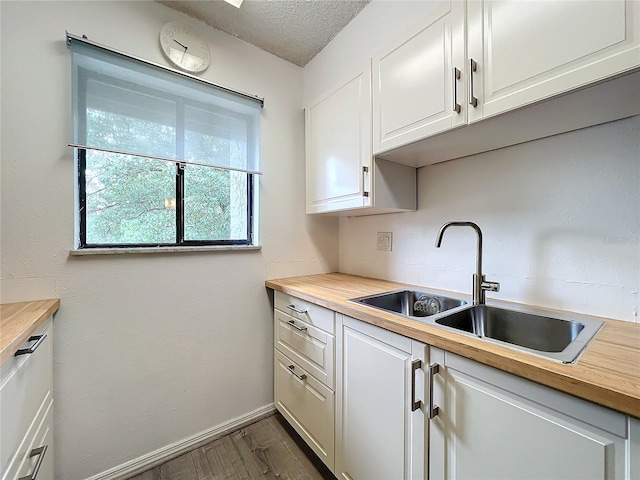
pixel 306 311
pixel 26 460
pixel 308 406
pixel 26 382
pixel 309 346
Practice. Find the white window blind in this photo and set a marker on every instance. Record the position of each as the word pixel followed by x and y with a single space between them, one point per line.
pixel 159 113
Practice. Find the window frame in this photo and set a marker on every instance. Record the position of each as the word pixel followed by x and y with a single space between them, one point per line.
pixel 80 159
pixel 81 162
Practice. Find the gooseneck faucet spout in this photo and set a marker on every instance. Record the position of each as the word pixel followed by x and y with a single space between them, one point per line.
pixel 464 224
pixel 480 285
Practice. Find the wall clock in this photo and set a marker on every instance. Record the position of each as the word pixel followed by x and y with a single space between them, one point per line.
pixel 184 48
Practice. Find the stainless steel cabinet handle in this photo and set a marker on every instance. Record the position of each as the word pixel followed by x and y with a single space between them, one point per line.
pixel 297 310
pixel 299 377
pixel 365 170
pixel 36 451
pixel 434 410
pixel 36 338
pixel 473 66
pixel 297 327
pixel 415 365
pixel 454 88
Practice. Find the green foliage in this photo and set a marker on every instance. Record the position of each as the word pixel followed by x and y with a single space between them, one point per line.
pixel 126 199
pixel 129 199
pixel 207 203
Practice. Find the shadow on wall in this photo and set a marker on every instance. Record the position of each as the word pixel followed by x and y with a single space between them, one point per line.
pixel 585 259
pixel 559 217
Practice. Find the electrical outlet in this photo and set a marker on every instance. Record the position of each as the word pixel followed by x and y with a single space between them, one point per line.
pixel 385 239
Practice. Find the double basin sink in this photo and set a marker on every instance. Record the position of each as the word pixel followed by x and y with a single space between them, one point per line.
pixel 557 338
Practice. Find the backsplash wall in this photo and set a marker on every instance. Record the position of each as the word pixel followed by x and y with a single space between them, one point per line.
pixel 560 218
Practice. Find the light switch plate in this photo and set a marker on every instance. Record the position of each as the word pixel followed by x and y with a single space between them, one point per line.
pixel 385 240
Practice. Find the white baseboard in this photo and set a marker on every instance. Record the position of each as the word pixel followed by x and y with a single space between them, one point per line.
pixel 164 454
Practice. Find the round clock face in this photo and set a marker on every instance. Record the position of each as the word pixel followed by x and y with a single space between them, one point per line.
pixel 184 48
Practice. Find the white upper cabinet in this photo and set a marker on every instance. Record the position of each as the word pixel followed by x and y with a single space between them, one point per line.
pixel 512 56
pixel 530 51
pixel 338 144
pixel 420 100
pixel 418 82
pixel 342 177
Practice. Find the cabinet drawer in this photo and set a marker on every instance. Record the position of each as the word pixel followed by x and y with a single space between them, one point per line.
pixel 306 311
pixel 44 459
pixel 24 463
pixel 25 382
pixel 308 406
pixel 309 346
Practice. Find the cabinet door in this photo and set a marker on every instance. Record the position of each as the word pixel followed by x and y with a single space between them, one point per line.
pixel 379 436
pixel 529 51
pixel 485 431
pixel 338 146
pixel 415 82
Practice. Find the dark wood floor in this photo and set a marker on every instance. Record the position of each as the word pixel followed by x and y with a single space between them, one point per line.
pixel 266 450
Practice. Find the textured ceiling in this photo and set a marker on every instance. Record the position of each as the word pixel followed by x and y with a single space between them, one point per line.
pixel 295 30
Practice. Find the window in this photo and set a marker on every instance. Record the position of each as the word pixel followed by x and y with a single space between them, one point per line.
pixel 163 159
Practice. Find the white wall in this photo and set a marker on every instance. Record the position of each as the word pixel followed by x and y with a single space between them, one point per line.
pixel 560 216
pixel 149 349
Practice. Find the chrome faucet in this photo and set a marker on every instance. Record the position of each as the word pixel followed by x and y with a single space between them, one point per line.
pixel 480 285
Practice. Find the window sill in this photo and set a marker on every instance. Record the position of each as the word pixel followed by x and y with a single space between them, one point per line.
pixel 137 250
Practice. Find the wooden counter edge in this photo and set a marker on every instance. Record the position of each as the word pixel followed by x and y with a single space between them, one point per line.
pixel 463 346
pixel 32 321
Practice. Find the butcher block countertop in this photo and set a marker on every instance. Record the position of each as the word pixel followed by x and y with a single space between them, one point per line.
pixel 18 321
pixel 607 372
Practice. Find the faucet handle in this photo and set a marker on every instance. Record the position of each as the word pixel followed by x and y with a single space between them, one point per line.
pixel 490 286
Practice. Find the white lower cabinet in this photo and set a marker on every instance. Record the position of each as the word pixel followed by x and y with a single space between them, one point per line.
pixel 26 410
pixel 304 377
pixel 37 461
pixel 368 418
pixel 307 404
pixel 493 425
pixel 380 426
